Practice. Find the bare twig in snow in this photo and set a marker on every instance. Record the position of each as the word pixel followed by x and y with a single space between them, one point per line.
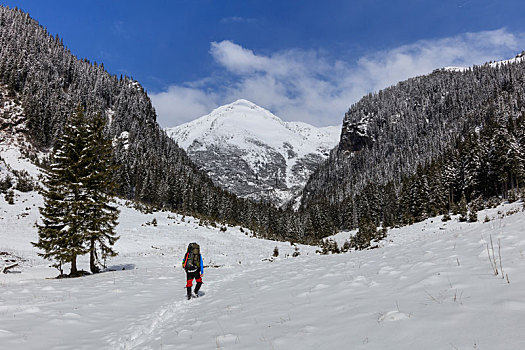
pixel 492 258
pixel 499 254
pixel 9 266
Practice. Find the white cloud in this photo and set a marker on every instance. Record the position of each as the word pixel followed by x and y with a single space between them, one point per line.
pixel 309 86
pixel 387 68
pixel 182 104
pixel 238 59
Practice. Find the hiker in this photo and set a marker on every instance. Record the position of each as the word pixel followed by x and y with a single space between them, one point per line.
pixel 193 265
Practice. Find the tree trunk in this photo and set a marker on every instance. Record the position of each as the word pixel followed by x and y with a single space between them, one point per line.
pixel 74 270
pixel 92 258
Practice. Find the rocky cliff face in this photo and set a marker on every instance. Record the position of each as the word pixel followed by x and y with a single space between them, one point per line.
pixel 355 135
pixel 254 154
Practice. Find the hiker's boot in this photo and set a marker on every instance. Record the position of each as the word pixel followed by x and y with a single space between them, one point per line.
pixel 197 287
pixel 188 291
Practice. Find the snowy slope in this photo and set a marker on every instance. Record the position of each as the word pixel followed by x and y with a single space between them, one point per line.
pixel 253 153
pixel 429 286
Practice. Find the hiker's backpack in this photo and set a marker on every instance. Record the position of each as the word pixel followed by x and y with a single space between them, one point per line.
pixel 193 263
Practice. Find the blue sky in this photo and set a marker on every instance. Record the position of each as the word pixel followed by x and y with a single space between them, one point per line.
pixel 303 60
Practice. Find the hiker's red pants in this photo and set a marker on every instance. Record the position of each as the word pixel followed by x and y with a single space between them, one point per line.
pixel 193 275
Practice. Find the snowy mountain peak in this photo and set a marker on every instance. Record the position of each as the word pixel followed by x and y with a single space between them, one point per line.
pixel 253 153
pixel 239 106
pixel 244 103
pixel 242 106
pixel 244 109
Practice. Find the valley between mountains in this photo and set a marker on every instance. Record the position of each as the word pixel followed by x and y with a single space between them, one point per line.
pixel 400 228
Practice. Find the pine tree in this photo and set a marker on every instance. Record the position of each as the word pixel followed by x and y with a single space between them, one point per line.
pixel 462 208
pixel 472 166
pixel 77 217
pixel 473 213
pixel 61 235
pixel 421 195
pixel 499 158
pixel 515 165
pixel 367 232
pixel 100 187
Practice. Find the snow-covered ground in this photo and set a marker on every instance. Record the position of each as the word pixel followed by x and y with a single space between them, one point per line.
pixel 429 286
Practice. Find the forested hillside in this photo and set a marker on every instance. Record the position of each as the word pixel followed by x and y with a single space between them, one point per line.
pixel 416 149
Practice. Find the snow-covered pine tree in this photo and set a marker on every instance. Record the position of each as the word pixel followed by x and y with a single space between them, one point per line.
pixel 421 195
pixel 99 184
pixel 471 154
pixel 515 166
pixel 367 232
pixel 462 208
pixel 77 217
pixel 499 157
pixel 62 233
